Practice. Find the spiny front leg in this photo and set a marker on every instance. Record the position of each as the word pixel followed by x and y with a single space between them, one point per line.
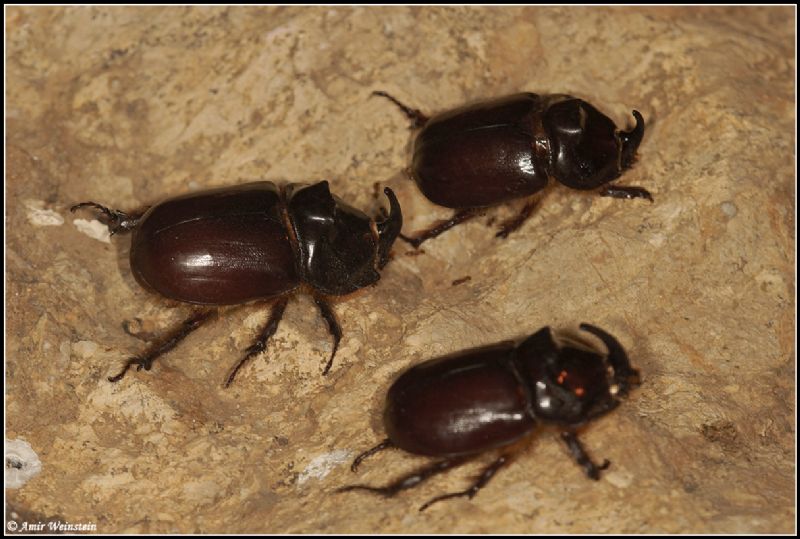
pixel 165 344
pixel 333 327
pixel 458 217
pixel 581 457
pixel 260 344
pixel 115 220
pixel 410 480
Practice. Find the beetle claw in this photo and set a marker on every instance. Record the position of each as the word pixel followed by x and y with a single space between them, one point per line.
pixel 115 220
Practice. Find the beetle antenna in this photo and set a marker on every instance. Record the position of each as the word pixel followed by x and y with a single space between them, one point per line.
pixel 389 228
pixel 631 140
pixel 625 376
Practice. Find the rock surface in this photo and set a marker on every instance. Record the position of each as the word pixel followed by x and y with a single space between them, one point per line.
pixel 126 106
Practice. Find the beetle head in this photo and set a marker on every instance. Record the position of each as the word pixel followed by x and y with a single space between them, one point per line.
pixel 586 149
pixel 569 382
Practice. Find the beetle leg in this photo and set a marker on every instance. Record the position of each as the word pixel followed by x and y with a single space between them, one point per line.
pixel 116 220
pixel 509 226
pixel 260 344
pixel 415 115
pixel 483 479
pixel 333 327
pixel 385 444
pixel 458 217
pixel 170 341
pixel 622 191
pixel 581 457
pixel 410 480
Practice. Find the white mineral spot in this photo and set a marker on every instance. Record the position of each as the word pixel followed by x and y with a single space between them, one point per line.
pixel 94 229
pixel 38 216
pixel 22 463
pixel 657 240
pixel 322 465
pixel 620 479
pixel 85 349
pixel 729 208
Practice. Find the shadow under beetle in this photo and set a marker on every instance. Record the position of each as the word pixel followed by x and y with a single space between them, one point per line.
pixel 494 151
pixel 252 242
pixel 458 406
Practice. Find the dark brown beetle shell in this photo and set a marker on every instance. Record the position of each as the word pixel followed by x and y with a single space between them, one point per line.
pixel 220 247
pixel 482 154
pixel 464 403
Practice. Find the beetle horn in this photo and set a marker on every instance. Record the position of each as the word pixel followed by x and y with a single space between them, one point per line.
pixel 631 140
pixel 389 228
pixel 625 376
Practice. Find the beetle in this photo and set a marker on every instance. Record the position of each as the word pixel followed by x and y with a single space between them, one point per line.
pixel 250 243
pixel 458 406
pixel 494 151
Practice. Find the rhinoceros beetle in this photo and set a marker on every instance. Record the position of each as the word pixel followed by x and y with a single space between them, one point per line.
pixel 491 152
pixel 248 243
pixel 458 406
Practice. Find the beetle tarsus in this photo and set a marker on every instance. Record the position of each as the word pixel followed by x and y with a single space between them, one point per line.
pixel 115 220
pixel 121 375
pixel 409 480
pixel 167 343
pixel 418 119
pixel 582 458
pixel 513 224
pixel 485 476
pixel 385 444
pixel 626 192
pixel 458 217
pixel 333 327
pixel 260 344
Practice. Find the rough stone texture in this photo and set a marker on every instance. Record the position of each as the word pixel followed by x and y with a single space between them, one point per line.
pixel 128 105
